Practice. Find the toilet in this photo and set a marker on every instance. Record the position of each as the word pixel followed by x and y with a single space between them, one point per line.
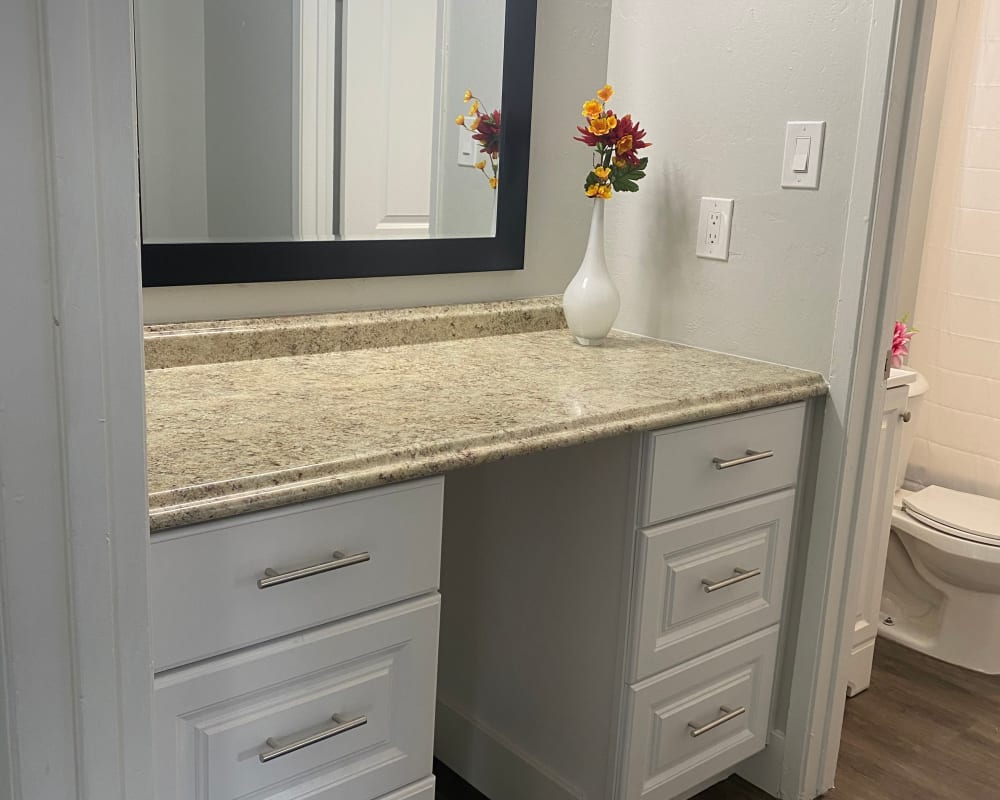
pixel 941 594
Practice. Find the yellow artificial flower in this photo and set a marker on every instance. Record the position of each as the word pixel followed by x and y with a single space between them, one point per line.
pixel 602 172
pixel 474 125
pixel 624 144
pixel 606 92
pixel 480 165
pixel 468 96
pixel 612 121
pixel 493 183
pixel 474 107
pixel 600 126
pixel 604 191
pixel 460 119
pixel 592 109
pixel 620 163
pixel 591 190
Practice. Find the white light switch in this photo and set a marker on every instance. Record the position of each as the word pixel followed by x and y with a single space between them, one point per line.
pixel 803 155
pixel 466 146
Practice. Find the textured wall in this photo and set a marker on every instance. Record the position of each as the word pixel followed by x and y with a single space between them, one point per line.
pixel 714 84
pixel 958 301
pixel 570 62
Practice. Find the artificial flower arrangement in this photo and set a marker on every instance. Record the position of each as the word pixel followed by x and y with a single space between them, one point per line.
pixel 901 335
pixel 616 142
pixel 485 130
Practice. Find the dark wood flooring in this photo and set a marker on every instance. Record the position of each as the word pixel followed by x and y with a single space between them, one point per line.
pixel 924 730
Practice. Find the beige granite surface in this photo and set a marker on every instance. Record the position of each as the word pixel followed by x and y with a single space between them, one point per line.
pixel 226 439
pixel 188 343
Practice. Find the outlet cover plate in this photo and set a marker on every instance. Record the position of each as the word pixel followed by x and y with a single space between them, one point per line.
pixel 715 224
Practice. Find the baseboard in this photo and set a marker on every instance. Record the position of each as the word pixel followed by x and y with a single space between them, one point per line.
pixel 492 764
pixel 764 769
pixel 859 668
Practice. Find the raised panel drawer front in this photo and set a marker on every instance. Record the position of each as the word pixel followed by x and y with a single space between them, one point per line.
pixel 713 463
pixel 709 579
pixel 366 549
pixel 697 720
pixel 344 712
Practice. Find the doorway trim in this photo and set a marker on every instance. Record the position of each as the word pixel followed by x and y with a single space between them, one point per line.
pixel 883 175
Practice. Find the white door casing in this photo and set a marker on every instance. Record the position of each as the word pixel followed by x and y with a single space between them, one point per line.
pixel 873 542
pixel 389 81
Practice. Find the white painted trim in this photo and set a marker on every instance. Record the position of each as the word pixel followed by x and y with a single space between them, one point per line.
pixel 491 762
pixel 314 103
pixel 850 429
pixel 73 518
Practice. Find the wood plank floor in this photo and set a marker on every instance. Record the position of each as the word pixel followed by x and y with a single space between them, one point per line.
pixel 924 730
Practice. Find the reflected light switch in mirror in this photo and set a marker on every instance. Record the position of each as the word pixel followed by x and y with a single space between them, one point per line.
pixel 803 155
pixel 466 146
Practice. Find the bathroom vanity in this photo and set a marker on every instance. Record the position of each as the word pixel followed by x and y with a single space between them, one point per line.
pixel 344 550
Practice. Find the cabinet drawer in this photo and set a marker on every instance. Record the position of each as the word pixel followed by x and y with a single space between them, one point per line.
pixel 707 580
pixel 205 597
pixel 681 473
pixel 214 720
pixel 730 687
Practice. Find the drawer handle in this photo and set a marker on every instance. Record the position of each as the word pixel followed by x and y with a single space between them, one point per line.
pixel 749 458
pixel 342 726
pixel 728 714
pixel 740 576
pixel 274 578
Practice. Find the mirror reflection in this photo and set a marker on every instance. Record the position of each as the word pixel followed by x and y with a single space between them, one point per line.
pixel 285 120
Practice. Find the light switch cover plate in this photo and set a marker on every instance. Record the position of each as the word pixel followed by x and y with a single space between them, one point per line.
pixel 803 159
pixel 715 223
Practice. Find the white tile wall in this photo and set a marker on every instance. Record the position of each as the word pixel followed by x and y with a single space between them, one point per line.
pixel 958 303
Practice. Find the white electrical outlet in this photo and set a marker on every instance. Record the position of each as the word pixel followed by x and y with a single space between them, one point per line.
pixel 714 227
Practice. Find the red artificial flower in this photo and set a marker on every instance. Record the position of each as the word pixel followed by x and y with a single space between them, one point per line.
pixel 488 133
pixel 626 138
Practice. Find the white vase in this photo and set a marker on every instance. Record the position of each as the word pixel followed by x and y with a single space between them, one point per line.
pixel 591 301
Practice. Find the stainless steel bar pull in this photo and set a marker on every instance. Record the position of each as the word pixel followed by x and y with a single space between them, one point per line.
pixel 274 578
pixel 740 576
pixel 343 726
pixel 749 458
pixel 728 714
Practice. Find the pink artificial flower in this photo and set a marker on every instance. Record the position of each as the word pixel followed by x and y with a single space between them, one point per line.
pixel 901 336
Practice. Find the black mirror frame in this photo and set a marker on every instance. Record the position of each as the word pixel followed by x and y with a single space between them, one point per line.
pixel 202 263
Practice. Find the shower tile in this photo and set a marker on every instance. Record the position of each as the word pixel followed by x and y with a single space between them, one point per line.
pixel 980 189
pixel 985 107
pixel 982 149
pixel 988 70
pixel 978 231
pixel 974 275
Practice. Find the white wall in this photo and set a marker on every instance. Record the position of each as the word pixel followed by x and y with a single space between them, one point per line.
pixel 170 66
pixel 957 441
pixel 570 62
pixel 473 59
pixel 713 84
pixel 249 88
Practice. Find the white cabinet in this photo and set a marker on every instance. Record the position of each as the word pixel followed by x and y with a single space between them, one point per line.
pixel 351 703
pixel 341 711
pixel 327 559
pixel 690 723
pixel 605 602
pixel 874 545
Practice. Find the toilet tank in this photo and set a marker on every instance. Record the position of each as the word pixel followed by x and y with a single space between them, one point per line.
pixel 915 400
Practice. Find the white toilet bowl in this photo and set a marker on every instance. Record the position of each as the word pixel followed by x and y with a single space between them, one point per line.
pixel 941 593
pixel 942 583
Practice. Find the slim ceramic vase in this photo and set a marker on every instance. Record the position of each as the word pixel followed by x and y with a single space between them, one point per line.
pixel 591 301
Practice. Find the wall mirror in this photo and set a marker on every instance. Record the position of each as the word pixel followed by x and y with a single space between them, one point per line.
pixel 309 139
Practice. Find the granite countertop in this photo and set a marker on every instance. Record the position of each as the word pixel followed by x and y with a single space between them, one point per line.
pixel 230 438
